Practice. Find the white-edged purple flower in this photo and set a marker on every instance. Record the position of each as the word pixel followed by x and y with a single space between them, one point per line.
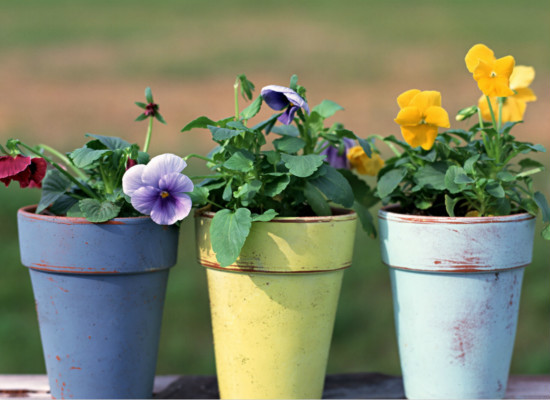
pixel 337 160
pixel 159 189
pixel 280 97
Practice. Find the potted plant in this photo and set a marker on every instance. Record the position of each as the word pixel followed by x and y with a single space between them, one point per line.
pixel 98 263
pixel 458 230
pixel 274 242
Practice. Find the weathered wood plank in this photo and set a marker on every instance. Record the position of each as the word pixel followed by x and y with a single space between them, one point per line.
pixel 342 386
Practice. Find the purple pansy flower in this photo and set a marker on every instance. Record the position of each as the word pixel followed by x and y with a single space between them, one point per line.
pixel 159 189
pixel 339 160
pixel 279 97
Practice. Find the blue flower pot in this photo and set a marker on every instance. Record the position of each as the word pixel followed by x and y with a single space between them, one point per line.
pixel 99 292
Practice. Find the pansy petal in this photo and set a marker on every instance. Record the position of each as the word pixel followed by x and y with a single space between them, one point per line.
pixel 160 166
pixel 425 99
pixel 176 183
pixel 409 116
pixel 513 109
pixel 525 94
pixel 274 99
pixel 522 76
pixel 287 117
pixel 404 99
pixel 504 66
pixel 10 166
pixel 437 116
pixel 171 209
pixel 476 53
pixel 145 198
pixel 131 181
pixel 421 135
pixel 483 70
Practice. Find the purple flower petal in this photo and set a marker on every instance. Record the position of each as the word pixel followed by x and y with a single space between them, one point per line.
pixel 279 97
pixel 171 209
pixel 335 159
pixel 145 198
pixel 176 183
pixel 131 181
pixel 288 116
pixel 160 166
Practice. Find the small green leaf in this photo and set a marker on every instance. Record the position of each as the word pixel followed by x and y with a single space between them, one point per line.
pixel 456 179
pixel 389 181
pixel 111 142
pixel 327 108
pixel 148 95
pixel 97 211
pixel 366 219
pixel 63 204
pixel 199 195
pixel 54 185
pixel 141 117
pixel 228 232
pixel 495 189
pixel 362 192
pixel 546 232
pixel 289 144
pixel 75 211
pixel 470 164
pixel 540 199
pixel 315 121
pixel 265 217
pixel 334 186
pixel 84 156
pixel 286 130
pixel 506 176
pixel 366 146
pixel 303 166
pixel 450 204
pixel 294 82
pixel 160 118
pixel 252 109
pixel 140 104
pixel 247 87
pixel 227 194
pixel 200 122
pixel 272 156
pixel 219 134
pixel 239 162
pixel 316 200
pixel 431 176
pixel 276 186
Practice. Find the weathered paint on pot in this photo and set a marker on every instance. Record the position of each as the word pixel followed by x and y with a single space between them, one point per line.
pixel 273 310
pixel 99 292
pixel 456 286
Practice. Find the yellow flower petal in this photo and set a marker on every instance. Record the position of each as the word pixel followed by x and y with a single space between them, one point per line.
pixel 409 116
pixel 513 110
pixel 437 116
pixel 426 99
pixel 364 164
pixel 405 98
pixel 421 135
pixel 522 76
pixel 504 66
pixel 472 213
pixel 495 87
pixel 476 53
pixel 525 94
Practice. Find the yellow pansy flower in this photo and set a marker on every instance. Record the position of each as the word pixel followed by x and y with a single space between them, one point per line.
pixel 364 164
pixel 420 116
pixel 514 106
pixel 492 75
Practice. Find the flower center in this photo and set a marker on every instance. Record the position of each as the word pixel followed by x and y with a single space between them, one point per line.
pixel 493 74
pixel 164 194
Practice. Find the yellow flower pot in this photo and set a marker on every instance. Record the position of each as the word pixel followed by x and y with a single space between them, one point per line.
pixel 273 310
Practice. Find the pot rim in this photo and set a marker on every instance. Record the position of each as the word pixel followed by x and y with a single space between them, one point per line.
pixel 343 214
pixel 387 213
pixel 28 212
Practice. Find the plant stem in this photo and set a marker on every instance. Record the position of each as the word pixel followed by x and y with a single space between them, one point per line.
pixel 480 118
pixel 491 111
pixel 205 177
pixel 148 136
pixel 63 158
pixel 389 144
pixel 500 102
pixel 236 90
pixel 193 155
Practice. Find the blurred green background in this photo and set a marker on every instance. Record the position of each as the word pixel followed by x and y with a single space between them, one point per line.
pixel 67 68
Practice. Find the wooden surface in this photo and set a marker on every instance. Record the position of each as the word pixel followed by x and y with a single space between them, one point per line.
pixel 342 386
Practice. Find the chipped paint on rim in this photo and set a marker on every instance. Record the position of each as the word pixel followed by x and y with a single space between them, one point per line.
pixel 29 212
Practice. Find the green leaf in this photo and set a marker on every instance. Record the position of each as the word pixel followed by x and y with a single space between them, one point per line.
pixel 199 195
pixel 303 166
pixel 543 206
pixel 247 191
pixel 294 82
pixel 327 108
pixel 160 118
pixel 366 219
pixel 228 232
pixel 366 146
pixel 247 87
pixel 495 189
pixel 143 157
pixel 63 204
pixel 546 232
pixel 334 186
pixel 75 211
pixel 470 164
pixel 529 172
pixel 148 95
pixel 200 122
pixel 315 121
pixel 456 179
pixel 265 217
pixel 431 176
pixel 98 211
pixel 141 117
pixel 316 200
pixel 389 181
pixel 239 162
pixel 423 204
pixel 111 142
pixel 272 156
pixel 289 144
pixel 54 185
pixel 506 176
pixel 286 130
pixel 227 194
pixel 528 163
pixel 219 134
pixel 362 192
pixel 140 104
pixel 450 204
pixel 85 156
pixel 276 186
pixel 252 109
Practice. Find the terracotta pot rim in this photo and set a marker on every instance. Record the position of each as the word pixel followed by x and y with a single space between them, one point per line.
pixel 387 214
pixel 343 214
pixel 28 212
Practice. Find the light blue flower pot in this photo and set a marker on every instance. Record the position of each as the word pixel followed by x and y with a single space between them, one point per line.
pixel 99 292
pixel 456 286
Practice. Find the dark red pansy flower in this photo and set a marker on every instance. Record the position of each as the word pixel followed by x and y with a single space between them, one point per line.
pixel 28 171
pixel 151 109
pixel 130 163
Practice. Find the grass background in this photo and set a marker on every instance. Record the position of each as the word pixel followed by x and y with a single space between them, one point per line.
pixel 67 68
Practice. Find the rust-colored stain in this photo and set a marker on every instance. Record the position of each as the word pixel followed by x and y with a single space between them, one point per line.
pixel 388 213
pixel 76 368
pixel 453 268
pixel 89 337
pixel 462 340
pixel 252 268
pixel 72 270
pixel 58 358
pixel 340 214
